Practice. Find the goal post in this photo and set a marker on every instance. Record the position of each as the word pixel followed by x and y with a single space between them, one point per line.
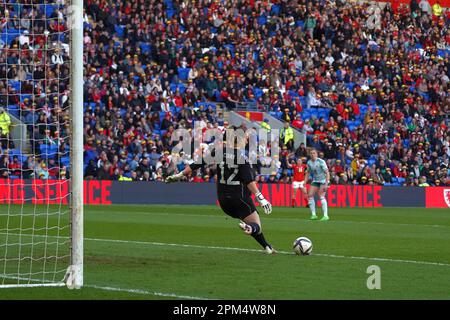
pixel 74 277
pixel 75 274
pixel 41 143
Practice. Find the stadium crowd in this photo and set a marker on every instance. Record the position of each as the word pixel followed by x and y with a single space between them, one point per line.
pixel 382 77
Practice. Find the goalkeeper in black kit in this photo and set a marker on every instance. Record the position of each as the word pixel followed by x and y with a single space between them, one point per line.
pixel 235 184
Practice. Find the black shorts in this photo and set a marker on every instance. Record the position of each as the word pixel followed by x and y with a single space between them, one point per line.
pixel 237 207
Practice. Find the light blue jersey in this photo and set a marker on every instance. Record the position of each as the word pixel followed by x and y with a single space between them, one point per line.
pixel 318 170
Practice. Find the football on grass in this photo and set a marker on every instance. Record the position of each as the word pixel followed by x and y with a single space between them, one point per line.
pixel 303 246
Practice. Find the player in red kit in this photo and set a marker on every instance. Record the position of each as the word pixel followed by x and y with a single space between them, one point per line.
pixel 299 179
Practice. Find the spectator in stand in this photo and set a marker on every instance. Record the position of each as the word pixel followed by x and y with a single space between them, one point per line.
pixel 15 167
pixel 265 125
pixel 287 136
pixel 437 9
pixel 4 166
pixel 91 170
pixel 425 7
pixel 42 172
pixel 298 122
pixel 5 123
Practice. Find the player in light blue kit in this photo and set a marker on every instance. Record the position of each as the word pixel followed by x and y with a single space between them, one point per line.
pixel 317 170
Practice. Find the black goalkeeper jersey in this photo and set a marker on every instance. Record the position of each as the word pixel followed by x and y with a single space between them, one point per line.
pixel 234 173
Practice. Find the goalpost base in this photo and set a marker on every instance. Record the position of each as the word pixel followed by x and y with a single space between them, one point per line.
pixel 74 277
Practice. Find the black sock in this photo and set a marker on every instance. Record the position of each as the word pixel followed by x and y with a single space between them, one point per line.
pixel 255 227
pixel 261 240
pixel 257 234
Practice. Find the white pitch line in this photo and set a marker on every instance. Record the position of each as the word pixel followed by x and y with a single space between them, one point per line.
pixel 48 283
pixel 146 292
pixel 181 245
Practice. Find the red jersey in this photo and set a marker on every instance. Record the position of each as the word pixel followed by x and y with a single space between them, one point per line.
pixel 299 172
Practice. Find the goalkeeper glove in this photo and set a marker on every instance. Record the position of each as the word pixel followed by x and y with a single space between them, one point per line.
pixel 174 177
pixel 264 203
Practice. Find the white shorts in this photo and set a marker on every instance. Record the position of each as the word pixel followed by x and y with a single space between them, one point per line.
pixel 298 184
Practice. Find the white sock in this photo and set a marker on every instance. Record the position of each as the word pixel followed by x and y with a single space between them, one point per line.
pixel 324 206
pixel 312 206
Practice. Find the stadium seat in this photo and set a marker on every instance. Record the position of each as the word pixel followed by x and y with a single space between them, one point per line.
pixel 363 108
pixel 230 47
pixel 182 87
pixel 13 110
pixel 65 161
pixel 14 84
pixel 350 85
pixel 425 96
pixel 48 9
pixel 120 30
pixel 443 53
pixel 18 153
pixel 25 96
pixel 170 13
pixel 89 155
pixel 168 3
pixel 8 35
pixel 293 94
pixel 406 142
pixel 262 20
pixel 145 47
pixel 275 9
pixel 183 73
pixel 257 92
pixel 48 152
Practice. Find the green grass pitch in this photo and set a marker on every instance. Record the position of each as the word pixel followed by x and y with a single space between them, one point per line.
pixel 167 252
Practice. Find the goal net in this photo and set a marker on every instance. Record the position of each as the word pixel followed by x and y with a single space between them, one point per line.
pixel 40 144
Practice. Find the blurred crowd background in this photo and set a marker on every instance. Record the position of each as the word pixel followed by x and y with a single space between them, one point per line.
pixel 369 87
